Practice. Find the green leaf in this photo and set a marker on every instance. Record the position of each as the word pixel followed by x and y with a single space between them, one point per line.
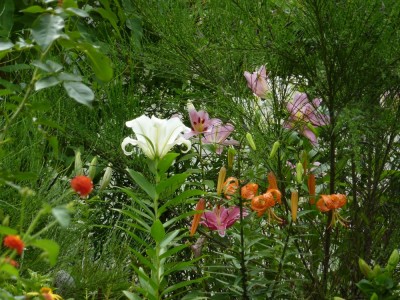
pixel 110 16
pixel 6 17
pixel 5 45
pixel 169 238
pixel 100 63
pixel 46 82
pixel 34 9
pixel 140 202
pixel 168 186
pixel 51 248
pixel 15 67
pixel 62 216
pixel 144 260
pixel 77 12
pixel 179 199
pixel 79 92
pixel 131 296
pixel 172 251
pixel 181 285
pixel 7 230
pixel 143 183
pixel 68 77
pixel 46 29
pixel 166 162
pixel 157 231
pixel 7 268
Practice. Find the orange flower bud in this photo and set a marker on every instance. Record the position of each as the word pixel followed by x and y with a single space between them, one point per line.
pixel 294 203
pixel 14 242
pixel 272 181
pixel 82 185
pixel 201 205
pixel 311 187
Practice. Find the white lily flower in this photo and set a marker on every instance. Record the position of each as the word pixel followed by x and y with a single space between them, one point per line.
pixel 156 136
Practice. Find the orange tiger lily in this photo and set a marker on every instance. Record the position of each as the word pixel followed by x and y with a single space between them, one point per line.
pixel 249 191
pixel 230 187
pixel 332 203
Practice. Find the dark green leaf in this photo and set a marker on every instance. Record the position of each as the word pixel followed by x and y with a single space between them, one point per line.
pixel 143 183
pixel 100 63
pixel 166 162
pixel 34 9
pixel 80 92
pixel 15 67
pixel 46 29
pixel 168 186
pixel 6 17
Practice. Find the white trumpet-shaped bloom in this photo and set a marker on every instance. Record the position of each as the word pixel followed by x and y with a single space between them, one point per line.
pixel 156 136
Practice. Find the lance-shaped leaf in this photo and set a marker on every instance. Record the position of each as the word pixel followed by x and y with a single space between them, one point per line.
pixel 79 92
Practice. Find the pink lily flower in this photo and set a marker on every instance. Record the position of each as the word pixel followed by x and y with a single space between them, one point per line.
pixel 257 82
pixel 200 121
pixel 218 136
pixel 221 218
pixel 303 112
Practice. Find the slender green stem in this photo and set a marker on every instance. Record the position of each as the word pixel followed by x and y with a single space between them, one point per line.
pixel 25 98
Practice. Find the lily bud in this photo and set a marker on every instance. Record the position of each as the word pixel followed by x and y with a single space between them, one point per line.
pixel 105 181
pixel 374 297
pixel 299 172
pixel 376 271
pixel 365 268
pixel 274 149
pixel 294 203
pixel 6 221
pixel 78 163
pixel 250 140
pixel 311 187
pixel 221 179
pixel 92 168
pixel 393 261
pixel 231 156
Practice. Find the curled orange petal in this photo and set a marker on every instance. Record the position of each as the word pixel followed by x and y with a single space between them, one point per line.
pixel 276 195
pixel 201 205
pixel 230 187
pixel 249 191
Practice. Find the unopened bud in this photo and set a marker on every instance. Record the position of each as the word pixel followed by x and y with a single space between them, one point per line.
pixel 26 192
pixel 231 156
pixel 250 140
pixel 365 268
pixel 374 297
pixel 376 271
pixel 393 261
pixel 6 221
pixel 294 203
pixel 221 179
pixel 311 187
pixel 299 172
pixel 105 181
pixel 274 149
pixel 92 168
pixel 78 163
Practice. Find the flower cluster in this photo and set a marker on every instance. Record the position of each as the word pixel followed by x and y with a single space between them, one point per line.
pixel 265 202
pixel 214 131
